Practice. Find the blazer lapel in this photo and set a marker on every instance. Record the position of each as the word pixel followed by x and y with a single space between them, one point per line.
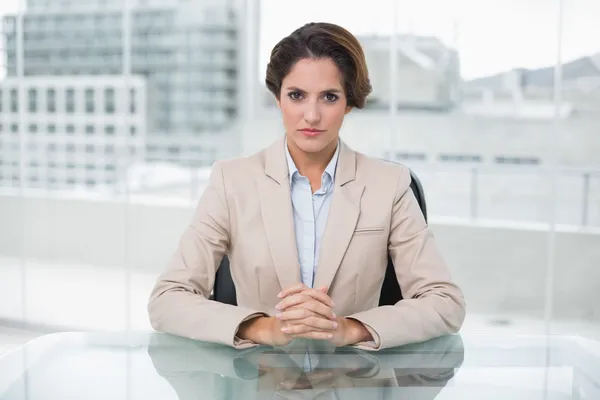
pixel 277 213
pixel 343 217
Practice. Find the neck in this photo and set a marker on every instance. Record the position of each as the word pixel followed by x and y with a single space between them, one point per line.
pixel 312 163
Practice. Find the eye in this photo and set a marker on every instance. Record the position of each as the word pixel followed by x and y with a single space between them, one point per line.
pixel 330 97
pixel 295 95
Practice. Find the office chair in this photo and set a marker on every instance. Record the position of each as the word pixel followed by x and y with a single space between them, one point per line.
pixel 224 289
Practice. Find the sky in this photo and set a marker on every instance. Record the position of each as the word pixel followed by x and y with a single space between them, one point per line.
pixel 491 35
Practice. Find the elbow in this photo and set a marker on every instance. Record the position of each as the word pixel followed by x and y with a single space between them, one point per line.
pixel 455 314
pixel 155 315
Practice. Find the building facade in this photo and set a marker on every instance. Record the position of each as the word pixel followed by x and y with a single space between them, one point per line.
pixel 71 132
pixel 187 51
pixel 428 74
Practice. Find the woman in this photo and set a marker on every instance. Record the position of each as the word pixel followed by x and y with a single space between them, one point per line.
pixel 308 224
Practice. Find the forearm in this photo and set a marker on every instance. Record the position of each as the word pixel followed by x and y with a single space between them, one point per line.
pixel 258 330
pixel 357 331
pixel 414 320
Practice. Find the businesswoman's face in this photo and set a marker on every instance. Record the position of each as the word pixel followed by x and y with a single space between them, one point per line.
pixel 313 105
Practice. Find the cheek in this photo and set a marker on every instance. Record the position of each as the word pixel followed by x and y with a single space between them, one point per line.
pixel 290 112
pixel 336 115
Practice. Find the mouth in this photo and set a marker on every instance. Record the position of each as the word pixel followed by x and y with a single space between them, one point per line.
pixel 311 132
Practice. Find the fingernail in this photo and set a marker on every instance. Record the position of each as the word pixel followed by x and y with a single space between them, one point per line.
pixel 279 295
pixel 278 315
pixel 284 329
pixel 278 307
pixel 334 316
pixel 330 336
pixel 335 325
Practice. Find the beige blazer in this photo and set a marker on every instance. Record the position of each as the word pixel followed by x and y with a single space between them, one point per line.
pixel 246 212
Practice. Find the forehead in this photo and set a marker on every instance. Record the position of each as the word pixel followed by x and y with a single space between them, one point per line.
pixel 314 75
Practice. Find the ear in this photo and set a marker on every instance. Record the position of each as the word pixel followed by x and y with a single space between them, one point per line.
pixel 278 103
pixel 348 109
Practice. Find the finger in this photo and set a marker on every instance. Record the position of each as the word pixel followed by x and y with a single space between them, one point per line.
pixel 293 300
pixel 294 314
pixel 318 294
pixel 304 296
pixel 307 324
pixel 305 310
pixel 315 335
pixel 297 288
pixel 320 323
pixel 319 308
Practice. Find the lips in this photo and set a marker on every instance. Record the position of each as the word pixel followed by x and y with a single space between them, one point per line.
pixel 311 132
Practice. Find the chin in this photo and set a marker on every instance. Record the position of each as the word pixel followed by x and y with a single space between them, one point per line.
pixel 312 145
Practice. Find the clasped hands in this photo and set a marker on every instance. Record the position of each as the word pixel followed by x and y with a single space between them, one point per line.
pixel 304 313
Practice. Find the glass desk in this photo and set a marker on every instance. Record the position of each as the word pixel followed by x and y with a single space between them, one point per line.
pixel 132 366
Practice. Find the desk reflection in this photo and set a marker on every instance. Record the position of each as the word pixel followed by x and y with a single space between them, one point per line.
pixel 305 370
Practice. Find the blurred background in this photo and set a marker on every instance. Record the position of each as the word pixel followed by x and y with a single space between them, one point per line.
pixel 113 111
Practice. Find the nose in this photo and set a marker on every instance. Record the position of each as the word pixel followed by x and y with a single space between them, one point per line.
pixel 312 114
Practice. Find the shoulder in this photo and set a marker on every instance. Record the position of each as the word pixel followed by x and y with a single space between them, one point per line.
pixel 244 169
pixel 378 172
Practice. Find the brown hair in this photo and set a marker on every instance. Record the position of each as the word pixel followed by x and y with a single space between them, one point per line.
pixel 319 40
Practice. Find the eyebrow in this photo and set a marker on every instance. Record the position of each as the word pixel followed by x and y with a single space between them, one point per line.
pixel 304 91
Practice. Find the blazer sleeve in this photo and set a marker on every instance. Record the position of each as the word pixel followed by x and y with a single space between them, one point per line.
pixel 433 305
pixel 179 302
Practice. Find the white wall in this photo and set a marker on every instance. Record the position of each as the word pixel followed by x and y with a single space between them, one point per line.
pixel 501 269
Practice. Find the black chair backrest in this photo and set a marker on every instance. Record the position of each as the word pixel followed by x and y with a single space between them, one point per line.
pixel 224 289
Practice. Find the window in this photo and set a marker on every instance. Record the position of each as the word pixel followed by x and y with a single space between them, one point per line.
pixel 132 101
pixel 33 128
pixel 89 101
pixel 14 128
pixel 109 100
pixel 89 148
pixel 70 101
pixel 14 101
pixel 70 129
pixel 517 160
pixel 109 149
pixel 460 158
pixel 51 100
pixel 133 131
pixel 409 156
pixel 32 100
pixel 89 129
pixel 51 129
pixel 1 100
pixel 109 130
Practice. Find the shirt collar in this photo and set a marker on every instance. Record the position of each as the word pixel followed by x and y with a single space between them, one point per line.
pixel 329 170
